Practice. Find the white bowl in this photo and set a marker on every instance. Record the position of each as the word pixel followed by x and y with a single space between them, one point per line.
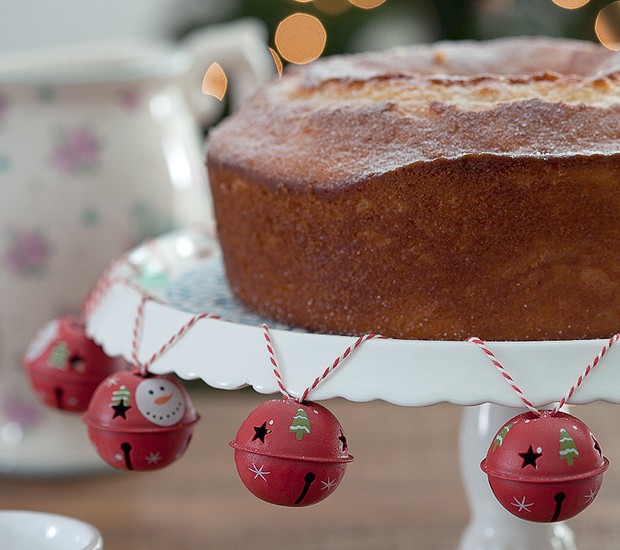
pixel 40 531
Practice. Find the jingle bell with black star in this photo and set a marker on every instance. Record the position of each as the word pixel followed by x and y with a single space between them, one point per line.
pixel 290 453
pixel 545 468
pixel 65 366
pixel 140 422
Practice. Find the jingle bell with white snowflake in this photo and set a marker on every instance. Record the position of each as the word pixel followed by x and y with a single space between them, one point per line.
pixel 545 468
pixel 140 422
pixel 65 366
pixel 290 453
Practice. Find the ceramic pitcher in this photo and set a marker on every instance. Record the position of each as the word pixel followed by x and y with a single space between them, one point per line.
pixel 100 149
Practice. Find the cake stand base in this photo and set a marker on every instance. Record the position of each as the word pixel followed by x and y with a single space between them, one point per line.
pixel 182 274
pixel 491 527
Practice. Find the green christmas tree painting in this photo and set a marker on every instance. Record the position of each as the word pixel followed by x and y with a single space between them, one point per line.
pixel 120 396
pixel 499 438
pixel 301 424
pixel 568 449
pixel 120 402
pixel 58 357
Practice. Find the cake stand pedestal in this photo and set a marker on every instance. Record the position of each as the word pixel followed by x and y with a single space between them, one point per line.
pixel 182 272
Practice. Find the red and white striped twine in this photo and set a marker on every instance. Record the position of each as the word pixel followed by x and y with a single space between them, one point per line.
pixel 336 362
pixel 503 372
pixel 585 373
pixel 274 363
pixel 568 394
pixel 103 284
pixel 108 280
pixel 137 336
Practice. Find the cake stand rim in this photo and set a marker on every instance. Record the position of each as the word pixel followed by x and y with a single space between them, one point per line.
pixel 402 372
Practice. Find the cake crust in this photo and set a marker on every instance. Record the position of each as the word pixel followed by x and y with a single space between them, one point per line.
pixel 430 192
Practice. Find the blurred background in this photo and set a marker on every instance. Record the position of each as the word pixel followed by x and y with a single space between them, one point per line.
pixel 357 25
pixel 346 26
pixel 350 25
pixel 334 26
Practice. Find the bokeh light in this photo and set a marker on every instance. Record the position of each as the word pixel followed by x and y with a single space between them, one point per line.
pixel 607 26
pixel 332 7
pixel 277 61
pixel 570 4
pixel 366 4
pixel 215 82
pixel 300 38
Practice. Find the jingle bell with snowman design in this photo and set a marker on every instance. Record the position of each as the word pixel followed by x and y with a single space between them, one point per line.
pixel 65 366
pixel 140 421
pixel 291 453
pixel 545 468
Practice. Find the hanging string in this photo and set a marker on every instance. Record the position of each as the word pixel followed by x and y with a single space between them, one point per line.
pixel 137 336
pixel 505 375
pixel 338 361
pixel 105 283
pixel 335 364
pixel 585 373
pixel 568 394
pixel 95 296
pixel 274 362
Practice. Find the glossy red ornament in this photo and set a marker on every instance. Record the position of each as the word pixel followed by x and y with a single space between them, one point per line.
pixel 291 453
pixel 545 469
pixel 65 366
pixel 138 422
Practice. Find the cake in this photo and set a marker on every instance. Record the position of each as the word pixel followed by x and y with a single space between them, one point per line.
pixel 429 192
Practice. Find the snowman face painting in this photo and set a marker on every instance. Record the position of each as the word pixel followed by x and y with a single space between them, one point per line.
pixel 160 401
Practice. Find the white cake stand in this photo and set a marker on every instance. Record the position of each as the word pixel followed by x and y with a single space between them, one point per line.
pixel 184 272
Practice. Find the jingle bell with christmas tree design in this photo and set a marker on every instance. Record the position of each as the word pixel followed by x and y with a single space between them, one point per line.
pixel 291 453
pixel 65 366
pixel 140 421
pixel 546 467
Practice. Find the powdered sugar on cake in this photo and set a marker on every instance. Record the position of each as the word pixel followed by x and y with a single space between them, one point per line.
pixel 423 103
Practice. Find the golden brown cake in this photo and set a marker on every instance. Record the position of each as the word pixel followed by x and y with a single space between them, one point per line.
pixel 429 192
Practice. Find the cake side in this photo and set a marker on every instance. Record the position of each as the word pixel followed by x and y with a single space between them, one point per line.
pixel 431 192
pixel 346 118
pixel 524 250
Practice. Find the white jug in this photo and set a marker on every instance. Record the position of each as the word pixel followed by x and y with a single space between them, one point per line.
pixel 100 149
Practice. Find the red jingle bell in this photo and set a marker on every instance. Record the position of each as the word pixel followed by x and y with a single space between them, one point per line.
pixel 545 468
pixel 291 453
pixel 140 422
pixel 65 366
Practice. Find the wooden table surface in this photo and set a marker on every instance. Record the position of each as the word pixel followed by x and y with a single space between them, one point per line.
pixel 403 491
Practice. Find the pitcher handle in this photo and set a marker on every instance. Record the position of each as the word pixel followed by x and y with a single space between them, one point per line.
pixel 240 48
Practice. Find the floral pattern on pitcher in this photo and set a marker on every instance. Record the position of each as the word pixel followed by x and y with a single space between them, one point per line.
pixel 28 253
pixel 78 151
pixel 90 216
pixel 130 99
